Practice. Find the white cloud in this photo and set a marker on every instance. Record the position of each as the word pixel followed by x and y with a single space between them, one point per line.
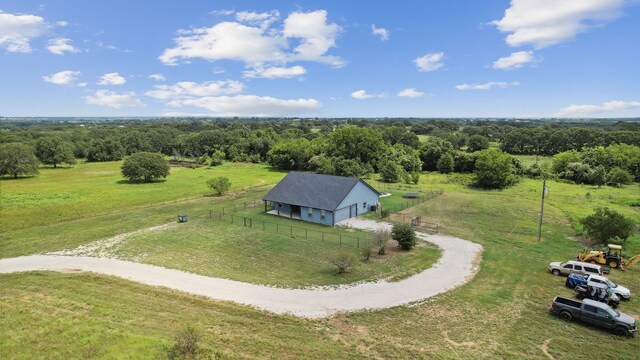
pixel 82 84
pixel 362 94
pixel 382 33
pixel 260 45
pixel 252 105
pixel 543 23
pixel 16 31
pixel 430 62
pixel 62 23
pixel 112 79
pixel 62 78
pixel 487 86
pixel 275 72
pixel 588 110
pixel 222 12
pixel 188 89
pixel 60 45
pixel 514 61
pixel 262 20
pixel 157 77
pixel 114 99
pixel 411 93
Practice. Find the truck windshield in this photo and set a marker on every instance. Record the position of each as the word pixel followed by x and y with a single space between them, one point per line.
pixel 611 284
pixel 613 313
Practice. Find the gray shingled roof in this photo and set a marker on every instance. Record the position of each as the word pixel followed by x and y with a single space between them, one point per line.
pixel 313 190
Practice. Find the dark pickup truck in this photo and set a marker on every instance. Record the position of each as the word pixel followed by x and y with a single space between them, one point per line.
pixel 595 313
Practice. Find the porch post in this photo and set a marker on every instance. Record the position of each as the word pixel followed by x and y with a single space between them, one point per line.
pixel 265 205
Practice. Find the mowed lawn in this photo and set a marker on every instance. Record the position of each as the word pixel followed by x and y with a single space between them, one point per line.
pixel 230 250
pixel 90 189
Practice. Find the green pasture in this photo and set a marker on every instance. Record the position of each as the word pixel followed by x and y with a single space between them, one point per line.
pixel 501 313
pixel 90 189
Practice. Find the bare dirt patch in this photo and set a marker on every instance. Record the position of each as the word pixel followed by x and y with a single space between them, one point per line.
pixel 456 344
pixel 545 348
pixel 107 247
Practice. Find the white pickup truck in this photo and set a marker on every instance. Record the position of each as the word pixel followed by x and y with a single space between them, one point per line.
pixel 594 280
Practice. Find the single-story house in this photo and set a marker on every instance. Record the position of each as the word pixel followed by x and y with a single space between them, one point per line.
pixel 322 199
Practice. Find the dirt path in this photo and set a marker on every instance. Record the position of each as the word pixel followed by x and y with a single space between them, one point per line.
pixel 456 266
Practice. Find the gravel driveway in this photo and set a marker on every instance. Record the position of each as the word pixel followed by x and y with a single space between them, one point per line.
pixel 456 266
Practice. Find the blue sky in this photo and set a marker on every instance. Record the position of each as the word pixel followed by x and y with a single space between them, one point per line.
pixel 524 58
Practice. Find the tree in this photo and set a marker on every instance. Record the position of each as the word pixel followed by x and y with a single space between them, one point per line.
pixel 598 176
pixel 52 150
pixel 561 160
pixel 108 149
pixel 344 261
pixel 350 168
pixel 618 177
pixel 477 143
pixel 404 235
pixel 391 171
pixel 606 224
pixel 445 164
pixel 145 167
pixel 17 159
pixel 291 154
pixel 494 169
pixel 464 162
pixel 356 143
pixel 219 185
pixel 398 135
pixel 431 151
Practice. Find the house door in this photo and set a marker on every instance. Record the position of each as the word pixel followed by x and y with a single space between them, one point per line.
pixel 353 210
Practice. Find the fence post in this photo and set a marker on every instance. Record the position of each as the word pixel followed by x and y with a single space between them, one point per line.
pixel 306 233
pixel 277 228
pixel 358 242
pixel 340 239
pixel 291 230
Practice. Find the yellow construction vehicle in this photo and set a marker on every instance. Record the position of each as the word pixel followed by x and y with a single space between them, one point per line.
pixel 612 257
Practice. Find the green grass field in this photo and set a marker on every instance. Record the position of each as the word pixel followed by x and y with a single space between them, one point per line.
pixel 90 189
pixel 501 313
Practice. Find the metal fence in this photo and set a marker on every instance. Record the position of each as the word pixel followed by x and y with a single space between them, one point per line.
pixel 409 202
pixel 298 232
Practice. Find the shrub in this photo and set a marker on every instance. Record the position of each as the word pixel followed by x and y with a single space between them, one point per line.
pixel 219 185
pixel 391 171
pixel 145 167
pixel 618 176
pixel 185 345
pixel 477 143
pixel 404 235
pixel 415 177
pixel 217 158
pixel 366 253
pixel 379 241
pixel 606 224
pixel 344 261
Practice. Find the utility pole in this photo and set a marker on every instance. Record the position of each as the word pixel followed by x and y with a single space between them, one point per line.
pixel 544 190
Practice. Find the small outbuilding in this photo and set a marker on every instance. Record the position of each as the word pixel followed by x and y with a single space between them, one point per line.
pixel 322 199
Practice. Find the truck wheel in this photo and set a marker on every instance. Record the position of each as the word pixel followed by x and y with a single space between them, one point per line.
pixel 555 272
pixel 622 331
pixel 613 264
pixel 565 315
pixel 592 262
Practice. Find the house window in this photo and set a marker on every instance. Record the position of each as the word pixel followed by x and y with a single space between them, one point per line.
pixel 309 212
pixel 364 205
pixel 322 215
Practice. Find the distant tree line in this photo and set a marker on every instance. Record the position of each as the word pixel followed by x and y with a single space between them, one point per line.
pixel 349 147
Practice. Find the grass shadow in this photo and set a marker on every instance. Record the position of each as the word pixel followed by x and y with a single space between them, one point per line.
pixel 139 182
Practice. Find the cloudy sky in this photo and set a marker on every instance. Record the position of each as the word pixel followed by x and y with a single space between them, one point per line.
pixel 523 58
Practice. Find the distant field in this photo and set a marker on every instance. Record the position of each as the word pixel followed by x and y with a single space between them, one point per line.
pixel 90 189
pixel 528 160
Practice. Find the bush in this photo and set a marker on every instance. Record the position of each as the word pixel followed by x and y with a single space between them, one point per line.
pixel 217 158
pixel 379 241
pixel 366 253
pixel 391 171
pixel 145 167
pixel 415 177
pixel 185 345
pixel 219 185
pixel 618 177
pixel 477 143
pixel 345 261
pixel 606 224
pixel 404 235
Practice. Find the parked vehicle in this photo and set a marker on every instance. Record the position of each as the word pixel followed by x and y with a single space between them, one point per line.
pixel 599 292
pixel 574 267
pixel 595 313
pixel 577 279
